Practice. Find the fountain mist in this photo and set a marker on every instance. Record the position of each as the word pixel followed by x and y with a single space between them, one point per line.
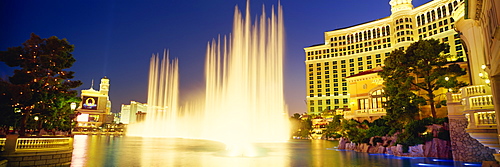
pixel 244 100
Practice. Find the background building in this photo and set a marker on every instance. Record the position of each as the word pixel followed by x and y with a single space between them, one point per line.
pixel 94 110
pixel 351 50
pixel 132 113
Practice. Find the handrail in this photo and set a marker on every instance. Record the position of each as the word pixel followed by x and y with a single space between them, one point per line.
pixel 42 143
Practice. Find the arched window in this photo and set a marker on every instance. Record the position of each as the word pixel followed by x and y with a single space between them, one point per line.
pixel 418 21
pixel 450 8
pixel 406 20
pixel 383 31
pixel 378 32
pixel 439 13
pixel 428 17
pixel 387 30
pixel 444 10
pixel 377 99
pixel 422 16
pixel 433 15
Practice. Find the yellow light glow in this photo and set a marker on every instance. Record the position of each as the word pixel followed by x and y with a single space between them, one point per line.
pixel 82 118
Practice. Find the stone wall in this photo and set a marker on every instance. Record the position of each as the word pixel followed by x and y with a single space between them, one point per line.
pixel 45 158
pixel 464 147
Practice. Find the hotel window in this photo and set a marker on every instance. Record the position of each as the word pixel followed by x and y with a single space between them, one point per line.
pixel 378 60
pixel 335 71
pixel 335 89
pixel 311 91
pixel 311 78
pixel 335 84
pixel 343 75
pixel 369 67
pixel 319 94
pixel 443 8
pixel 336 101
pixel 345 101
pixel 344 88
pixel 318 81
pixel 351 65
pixel 335 76
pixel 327 101
pixel 327 81
pixel 320 102
pixel 344 83
pixel 459 47
pixel 327 85
pixel 351 70
pixel 311 109
pixel 369 62
pixel 439 13
pixel 342 66
pixel 311 86
pixel 360 63
pixel 377 56
pixel 327 68
pixel 319 77
pixel 311 82
pixel 457 42
pixel 450 8
pixel 335 80
pixel 334 67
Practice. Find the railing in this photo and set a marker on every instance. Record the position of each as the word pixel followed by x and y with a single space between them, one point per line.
pixel 43 143
pixel 12 143
pixel 455 97
pixel 479 102
pixel 485 118
pixel 371 111
pixel 475 90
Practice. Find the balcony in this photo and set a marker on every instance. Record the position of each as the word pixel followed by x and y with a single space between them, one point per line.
pixel 477 105
pixel 365 113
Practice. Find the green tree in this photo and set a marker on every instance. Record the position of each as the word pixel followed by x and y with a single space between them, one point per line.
pixel 43 86
pixel 333 128
pixel 354 130
pixel 422 66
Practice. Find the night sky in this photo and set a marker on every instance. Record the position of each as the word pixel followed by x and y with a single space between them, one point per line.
pixel 117 38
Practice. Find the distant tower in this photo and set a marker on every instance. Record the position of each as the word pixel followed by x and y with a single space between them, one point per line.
pixel 104 89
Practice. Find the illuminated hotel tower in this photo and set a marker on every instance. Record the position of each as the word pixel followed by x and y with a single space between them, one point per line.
pixel 351 50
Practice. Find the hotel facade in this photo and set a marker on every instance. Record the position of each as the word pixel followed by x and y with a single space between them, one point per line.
pixel 352 50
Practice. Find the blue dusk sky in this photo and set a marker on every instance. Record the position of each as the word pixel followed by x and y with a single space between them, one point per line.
pixel 117 38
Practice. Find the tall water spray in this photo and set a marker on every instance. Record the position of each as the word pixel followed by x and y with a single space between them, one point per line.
pixel 244 99
pixel 162 105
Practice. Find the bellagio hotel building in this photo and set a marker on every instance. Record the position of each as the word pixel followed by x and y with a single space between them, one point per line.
pixel 351 50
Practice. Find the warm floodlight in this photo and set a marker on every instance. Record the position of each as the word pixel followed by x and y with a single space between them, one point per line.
pixel 73 106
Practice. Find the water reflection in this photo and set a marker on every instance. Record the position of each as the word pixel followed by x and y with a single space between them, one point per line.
pixel 98 151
